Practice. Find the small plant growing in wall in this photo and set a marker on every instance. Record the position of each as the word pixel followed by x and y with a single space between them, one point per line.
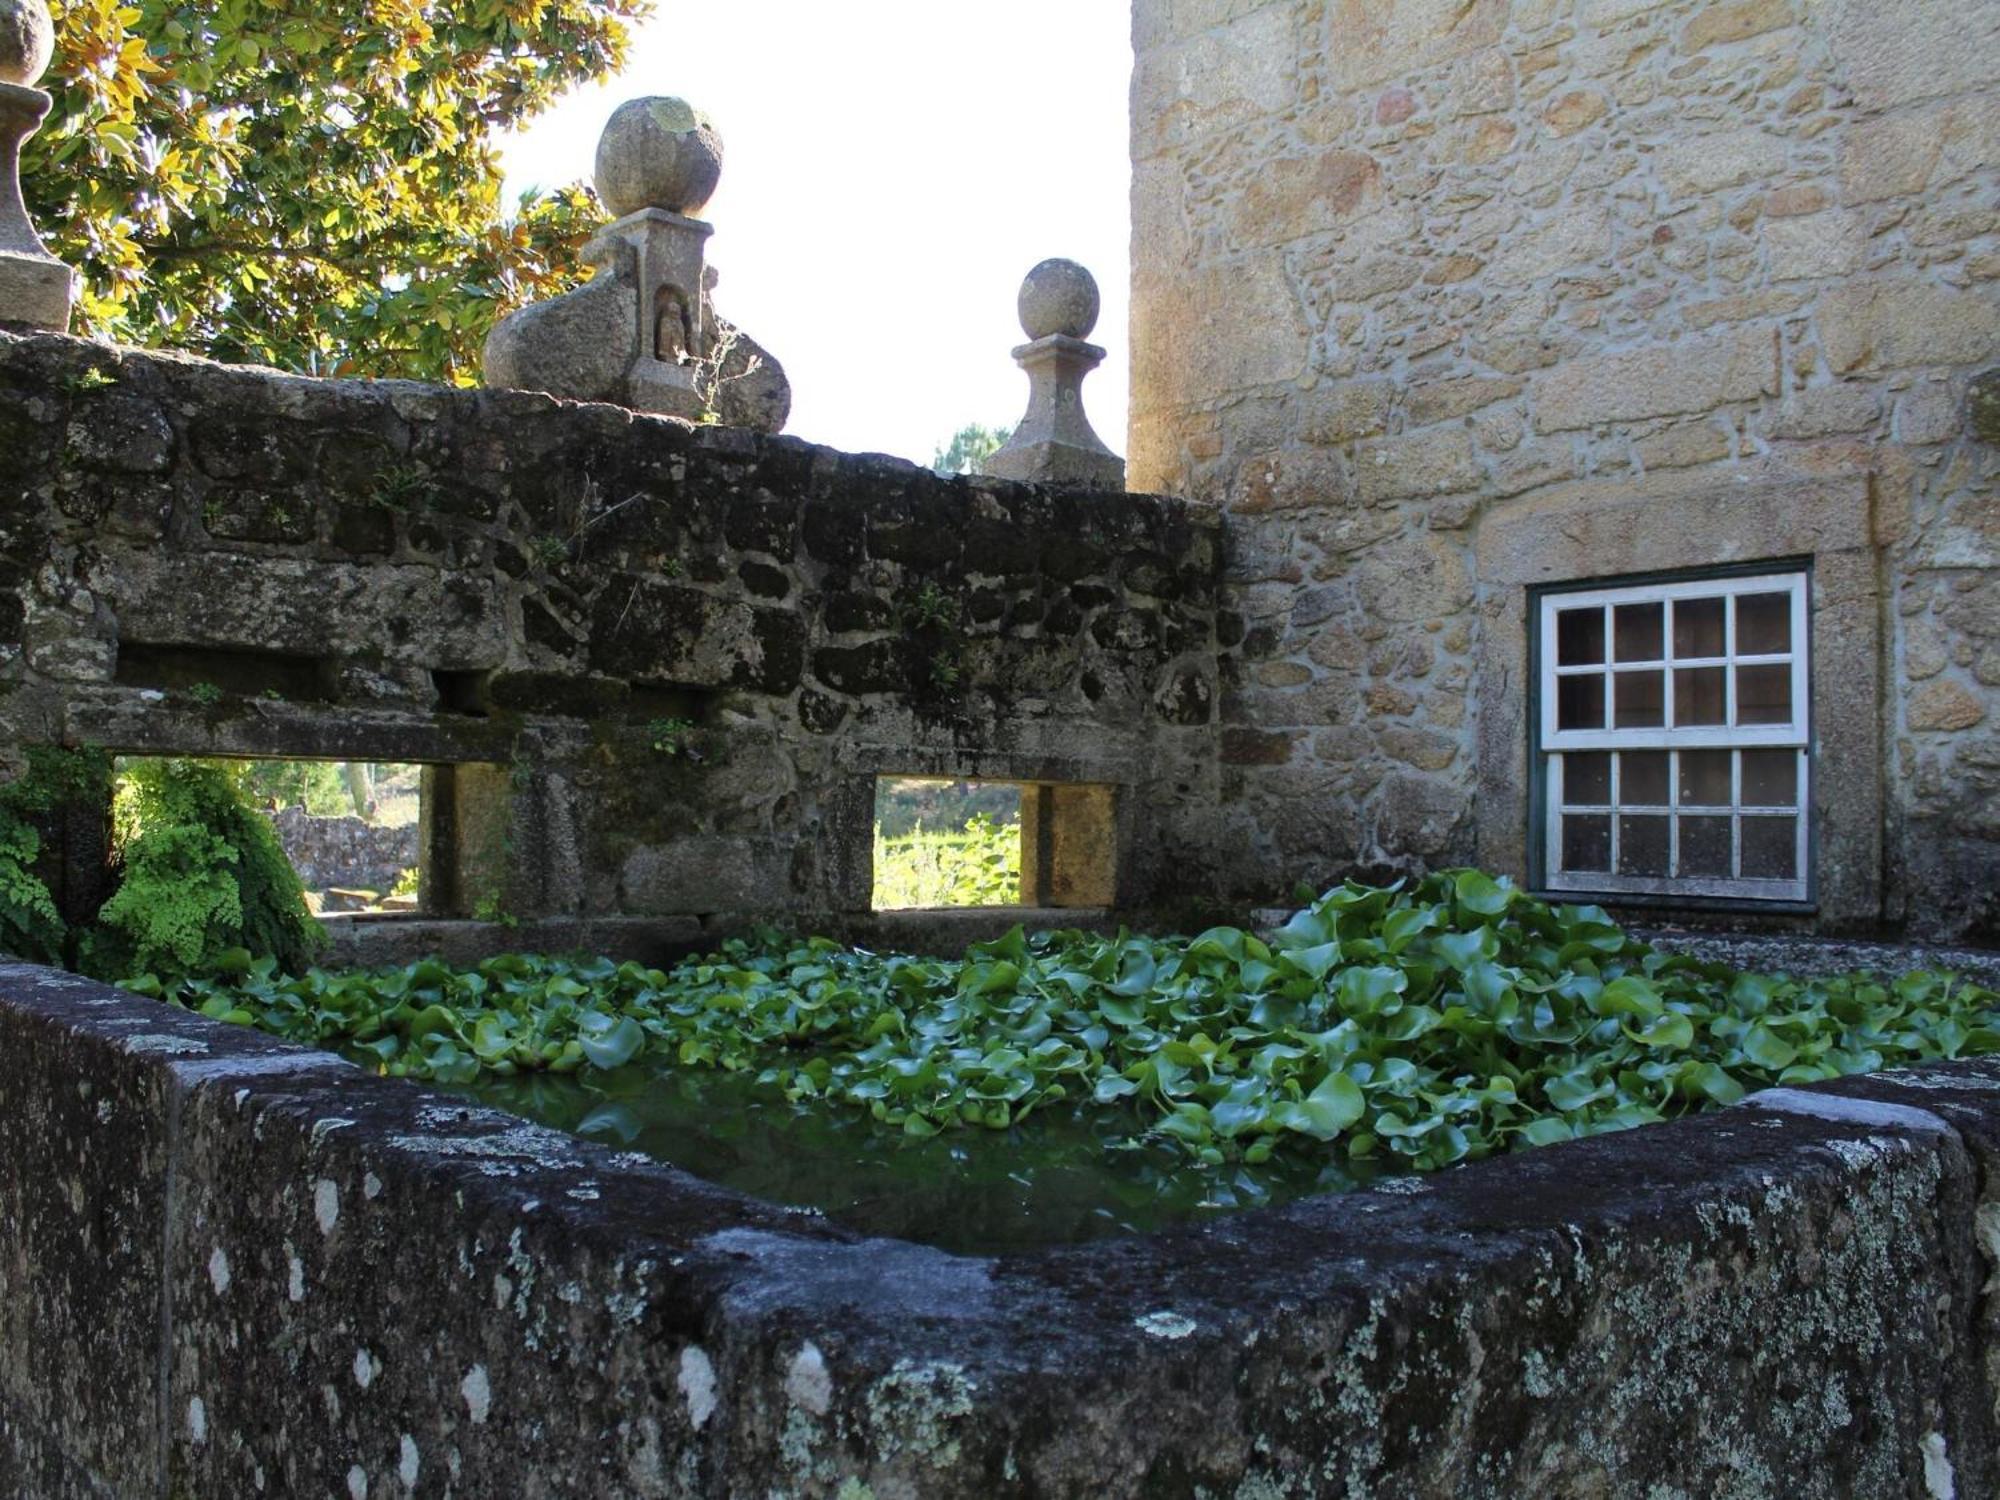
pixel 401 486
pixel 91 379
pixel 709 377
pixel 670 737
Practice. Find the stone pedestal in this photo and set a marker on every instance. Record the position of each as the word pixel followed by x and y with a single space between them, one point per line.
pixel 1055 442
pixel 35 288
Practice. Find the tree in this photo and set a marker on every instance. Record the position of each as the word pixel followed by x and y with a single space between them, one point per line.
pixel 969 447
pixel 311 183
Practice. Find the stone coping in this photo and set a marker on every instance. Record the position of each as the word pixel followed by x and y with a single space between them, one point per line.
pixel 309 1280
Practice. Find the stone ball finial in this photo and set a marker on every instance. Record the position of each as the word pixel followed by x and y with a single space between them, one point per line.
pixel 27 41
pixel 656 153
pixel 1058 296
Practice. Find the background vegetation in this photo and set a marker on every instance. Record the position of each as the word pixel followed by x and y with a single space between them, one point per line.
pixel 311 184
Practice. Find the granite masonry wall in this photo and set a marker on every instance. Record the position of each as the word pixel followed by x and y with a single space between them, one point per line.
pixel 654 669
pixel 1442 299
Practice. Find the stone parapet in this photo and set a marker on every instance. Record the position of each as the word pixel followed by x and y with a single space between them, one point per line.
pixel 519 591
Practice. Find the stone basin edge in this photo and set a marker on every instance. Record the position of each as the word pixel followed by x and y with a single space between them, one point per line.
pixel 229 1265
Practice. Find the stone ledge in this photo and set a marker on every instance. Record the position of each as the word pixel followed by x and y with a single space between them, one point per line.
pixel 359 1274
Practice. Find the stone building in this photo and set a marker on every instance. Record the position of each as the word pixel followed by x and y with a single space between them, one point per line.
pixel 1454 305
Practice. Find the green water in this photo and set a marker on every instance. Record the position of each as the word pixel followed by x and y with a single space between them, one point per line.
pixel 1056 1179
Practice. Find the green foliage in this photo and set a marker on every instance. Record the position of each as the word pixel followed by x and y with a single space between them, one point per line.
pixel 30 925
pixel 311 185
pixel 902 803
pixel 669 736
pixel 316 785
pixel 969 447
pixel 204 874
pixel 1419 1025
pixel 979 866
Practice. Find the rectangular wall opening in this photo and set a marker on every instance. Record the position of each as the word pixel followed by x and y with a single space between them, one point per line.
pixel 351 829
pixel 943 843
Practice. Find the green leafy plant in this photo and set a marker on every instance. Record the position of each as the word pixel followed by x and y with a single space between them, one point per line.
pixel 204 694
pixel 1416 1024
pixel 92 379
pixel 311 186
pixel 978 866
pixel 669 736
pixel 31 926
pixel 203 873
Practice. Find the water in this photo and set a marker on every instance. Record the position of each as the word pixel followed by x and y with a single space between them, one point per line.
pixel 1059 1178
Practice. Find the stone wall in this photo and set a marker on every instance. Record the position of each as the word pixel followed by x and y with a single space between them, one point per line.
pixel 311 1281
pixel 349 852
pixel 654 670
pixel 1407 272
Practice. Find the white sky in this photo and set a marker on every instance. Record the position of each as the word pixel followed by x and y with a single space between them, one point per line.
pixel 891 170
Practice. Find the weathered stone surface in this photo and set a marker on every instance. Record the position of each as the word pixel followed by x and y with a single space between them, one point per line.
pixel 304 1309
pixel 658 153
pixel 1685 377
pixel 1945 706
pixel 520 592
pixel 1877 324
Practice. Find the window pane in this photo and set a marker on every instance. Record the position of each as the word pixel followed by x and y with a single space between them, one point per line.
pixel 1642 846
pixel 1580 702
pixel 1770 848
pixel 1587 779
pixel 1698 627
pixel 1642 779
pixel 1770 778
pixel 1586 842
pixel 1639 632
pixel 1705 846
pixel 1579 637
pixel 1763 624
pixel 1704 778
pixel 1764 695
pixel 1698 696
pixel 1640 700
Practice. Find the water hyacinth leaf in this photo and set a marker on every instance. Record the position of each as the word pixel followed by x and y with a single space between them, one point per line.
pixel 614 1046
pixel 1481 894
pixel 1439 1020
pixel 1333 1106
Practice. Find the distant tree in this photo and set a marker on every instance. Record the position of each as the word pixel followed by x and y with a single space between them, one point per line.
pixel 969 447
pixel 311 183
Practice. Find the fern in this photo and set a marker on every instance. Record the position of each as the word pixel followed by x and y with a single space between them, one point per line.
pixel 30 925
pixel 203 874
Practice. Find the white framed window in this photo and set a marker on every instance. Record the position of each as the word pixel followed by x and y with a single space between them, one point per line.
pixel 1674 737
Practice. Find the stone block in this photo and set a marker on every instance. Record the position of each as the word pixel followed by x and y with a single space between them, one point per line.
pixel 1426 402
pixel 1724 159
pixel 1656 381
pixel 1578 234
pixel 1418 465
pixel 1906 323
pixel 1944 706
pixel 1372 41
pixel 1736 21
pixel 1815 246
pixel 1822 411
pixel 1334 413
pixel 1295 196
pixel 1896 52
